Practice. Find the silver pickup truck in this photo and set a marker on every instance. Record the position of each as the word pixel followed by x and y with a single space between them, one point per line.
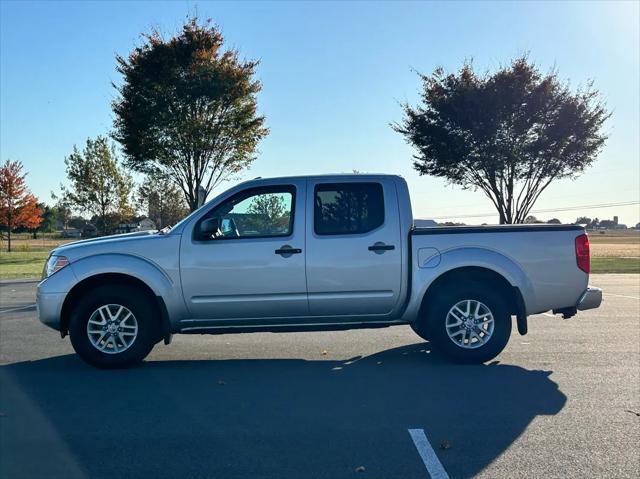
pixel 307 254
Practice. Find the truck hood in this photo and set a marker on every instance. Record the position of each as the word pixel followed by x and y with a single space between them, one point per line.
pixel 103 240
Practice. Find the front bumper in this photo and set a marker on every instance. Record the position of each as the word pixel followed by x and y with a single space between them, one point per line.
pixel 49 307
pixel 590 299
pixel 51 294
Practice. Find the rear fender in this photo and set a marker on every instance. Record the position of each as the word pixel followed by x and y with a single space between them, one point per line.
pixel 466 257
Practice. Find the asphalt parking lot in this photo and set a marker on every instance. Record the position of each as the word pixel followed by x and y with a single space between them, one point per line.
pixel 563 401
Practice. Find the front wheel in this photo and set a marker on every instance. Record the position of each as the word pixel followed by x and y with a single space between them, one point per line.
pixel 470 323
pixel 113 326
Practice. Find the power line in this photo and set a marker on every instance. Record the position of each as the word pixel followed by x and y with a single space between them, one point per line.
pixel 550 210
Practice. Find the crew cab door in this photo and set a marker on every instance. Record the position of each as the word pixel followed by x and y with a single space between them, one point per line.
pixel 354 257
pixel 254 265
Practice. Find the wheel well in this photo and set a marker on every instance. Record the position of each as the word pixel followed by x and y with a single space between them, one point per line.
pixel 87 284
pixel 485 276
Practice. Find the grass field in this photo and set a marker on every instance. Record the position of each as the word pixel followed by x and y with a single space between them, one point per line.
pixel 615 265
pixel 22 264
pixel 612 252
pixel 25 242
pixel 615 251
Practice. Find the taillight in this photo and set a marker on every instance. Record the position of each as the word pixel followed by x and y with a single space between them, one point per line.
pixel 583 256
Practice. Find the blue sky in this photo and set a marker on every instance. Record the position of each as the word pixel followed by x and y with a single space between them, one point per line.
pixel 332 74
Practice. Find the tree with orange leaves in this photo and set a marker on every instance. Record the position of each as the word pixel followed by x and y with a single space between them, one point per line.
pixel 18 207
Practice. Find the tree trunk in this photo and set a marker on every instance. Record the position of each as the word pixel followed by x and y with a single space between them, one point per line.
pixel 9 239
pixel 103 216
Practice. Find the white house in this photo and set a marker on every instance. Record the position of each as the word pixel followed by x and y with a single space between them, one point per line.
pixel 146 224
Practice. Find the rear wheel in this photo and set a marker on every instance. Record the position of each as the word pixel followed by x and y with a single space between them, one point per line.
pixel 469 323
pixel 113 326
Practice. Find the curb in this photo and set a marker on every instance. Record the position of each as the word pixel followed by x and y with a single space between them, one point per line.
pixel 19 281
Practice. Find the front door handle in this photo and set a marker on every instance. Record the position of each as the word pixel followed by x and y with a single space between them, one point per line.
pixel 287 251
pixel 380 247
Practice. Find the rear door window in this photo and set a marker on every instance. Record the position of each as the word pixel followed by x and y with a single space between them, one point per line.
pixel 348 208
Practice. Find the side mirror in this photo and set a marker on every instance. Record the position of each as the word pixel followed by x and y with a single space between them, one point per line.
pixel 209 228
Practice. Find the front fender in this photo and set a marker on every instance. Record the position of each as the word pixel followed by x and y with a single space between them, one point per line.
pixel 131 265
pixel 137 267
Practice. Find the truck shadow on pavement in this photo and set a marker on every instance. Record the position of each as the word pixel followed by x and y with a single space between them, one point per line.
pixel 278 418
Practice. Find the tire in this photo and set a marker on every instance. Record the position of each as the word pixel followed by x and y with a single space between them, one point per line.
pixel 476 337
pixel 421 329
pixel 127 340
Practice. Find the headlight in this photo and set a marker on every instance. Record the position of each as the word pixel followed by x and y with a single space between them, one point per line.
pixel 54 263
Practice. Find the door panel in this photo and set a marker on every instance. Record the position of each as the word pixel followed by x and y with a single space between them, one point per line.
pixel 354 257
pixel 238 273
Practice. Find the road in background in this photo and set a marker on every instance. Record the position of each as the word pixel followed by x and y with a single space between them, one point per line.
pixel 562 401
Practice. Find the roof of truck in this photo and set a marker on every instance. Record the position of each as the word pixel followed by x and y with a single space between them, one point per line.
pixel 327 176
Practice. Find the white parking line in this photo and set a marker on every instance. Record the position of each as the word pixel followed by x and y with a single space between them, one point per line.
pixel 428 455
pixel 549 314
pixel 621 296
pixel 17 309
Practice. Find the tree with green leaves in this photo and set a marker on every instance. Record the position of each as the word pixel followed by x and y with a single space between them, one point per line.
pixel 267 212
pixel 99 185
pixel 582 220
pixel 48 218
pixel 508 134
pixel 188 108
pixel 63 209
pixel 160 199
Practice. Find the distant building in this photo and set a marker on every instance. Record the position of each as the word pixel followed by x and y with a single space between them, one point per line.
pixel 146 224
pixel 611 224
pixel 71 233
pixel 126 228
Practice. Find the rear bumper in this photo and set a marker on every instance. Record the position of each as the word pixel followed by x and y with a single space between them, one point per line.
pixel 590 299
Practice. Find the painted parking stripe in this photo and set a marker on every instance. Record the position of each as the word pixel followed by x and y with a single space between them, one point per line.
pixel 621 296
pixel 428 455
pixel 18 309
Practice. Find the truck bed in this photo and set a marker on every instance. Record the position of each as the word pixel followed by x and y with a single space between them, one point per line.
pixel 538 259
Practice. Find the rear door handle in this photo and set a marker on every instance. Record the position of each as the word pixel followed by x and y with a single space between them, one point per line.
pixel 287 251
pixel 379 246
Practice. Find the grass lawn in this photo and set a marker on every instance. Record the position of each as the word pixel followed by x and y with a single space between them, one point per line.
pixel 22 264
pixel 615 265
pixel 626 237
